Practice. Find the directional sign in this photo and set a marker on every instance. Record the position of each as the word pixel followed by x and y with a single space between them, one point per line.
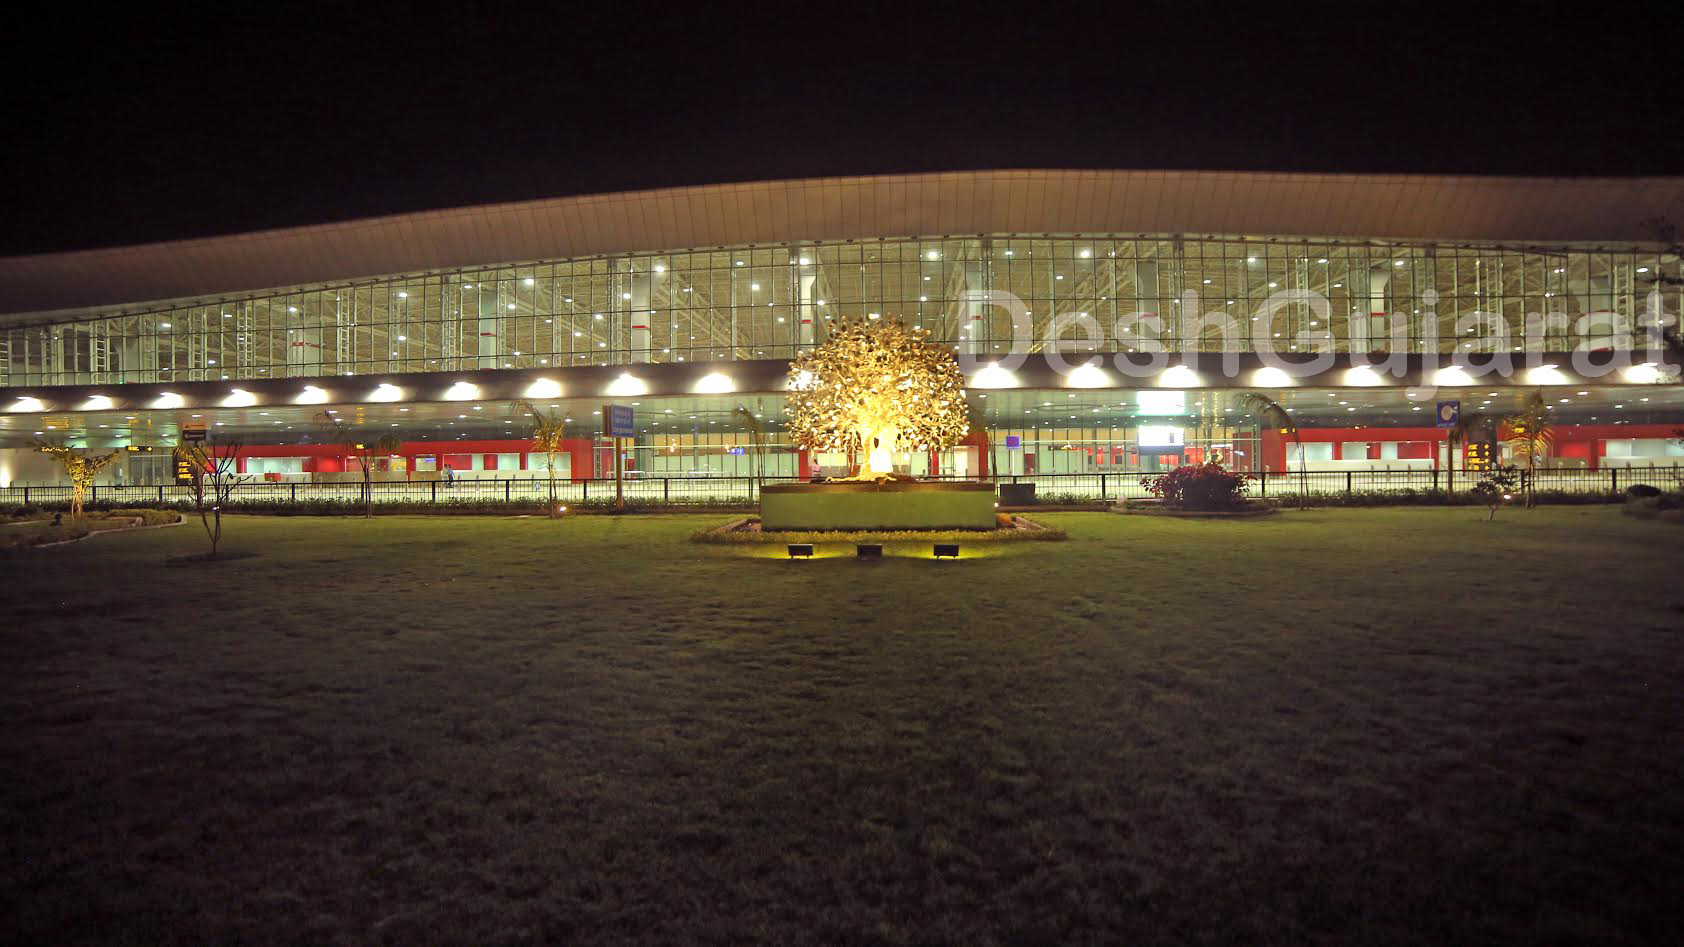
pixel 617 421
pixel 1480 454
pixel 183 469
pixel 193 432
pixel 1449 413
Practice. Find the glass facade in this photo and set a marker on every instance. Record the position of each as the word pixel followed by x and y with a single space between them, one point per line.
pixel 768 302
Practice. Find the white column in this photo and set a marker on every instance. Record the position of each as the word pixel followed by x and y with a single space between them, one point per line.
pixel 973 338
pixel 806 279
pixel 1148 299
pixel 640 312
pixel 486 307
pixel 304 352
pixel 1371 325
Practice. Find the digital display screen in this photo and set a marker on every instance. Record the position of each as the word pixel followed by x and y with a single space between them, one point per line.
pixel 1161 440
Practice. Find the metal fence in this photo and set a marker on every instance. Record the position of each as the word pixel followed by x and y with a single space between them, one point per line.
pixel 1077 487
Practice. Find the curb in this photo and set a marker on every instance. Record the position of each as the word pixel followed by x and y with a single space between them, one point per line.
pixel 180 518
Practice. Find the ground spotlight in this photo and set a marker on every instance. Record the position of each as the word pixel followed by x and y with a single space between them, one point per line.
pixel 801 550
pixel 948 550
pixel 868 550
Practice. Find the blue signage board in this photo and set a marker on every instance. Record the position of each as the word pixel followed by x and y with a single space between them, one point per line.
pixel 617 420
pixel 1013 442
pixel 1449 413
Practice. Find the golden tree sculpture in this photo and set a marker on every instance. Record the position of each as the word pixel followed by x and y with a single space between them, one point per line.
pixel 81 468
pixel 876 388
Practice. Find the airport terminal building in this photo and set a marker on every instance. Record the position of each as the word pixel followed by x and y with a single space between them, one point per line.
pixel 1362 304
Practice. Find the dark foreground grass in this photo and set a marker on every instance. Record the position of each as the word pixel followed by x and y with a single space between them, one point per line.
pixel 1380 727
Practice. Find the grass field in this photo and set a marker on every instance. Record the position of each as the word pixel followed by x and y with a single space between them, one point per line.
pixel 1339 727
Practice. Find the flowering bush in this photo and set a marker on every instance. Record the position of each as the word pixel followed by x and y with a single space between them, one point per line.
pixel 1199 487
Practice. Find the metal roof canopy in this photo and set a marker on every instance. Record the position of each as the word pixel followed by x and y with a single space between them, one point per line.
pixel 1430 208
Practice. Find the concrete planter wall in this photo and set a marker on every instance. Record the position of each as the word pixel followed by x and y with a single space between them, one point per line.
pixel 888 506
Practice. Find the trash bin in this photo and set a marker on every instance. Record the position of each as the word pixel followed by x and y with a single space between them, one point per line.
pixel 1017 494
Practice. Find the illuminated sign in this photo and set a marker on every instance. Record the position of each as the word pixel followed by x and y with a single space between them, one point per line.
pixel 1449 413
pixel 1481 455
pixel 617 421
pixel 1161 440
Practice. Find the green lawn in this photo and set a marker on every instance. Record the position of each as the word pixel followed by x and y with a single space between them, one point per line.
pixel 1340 727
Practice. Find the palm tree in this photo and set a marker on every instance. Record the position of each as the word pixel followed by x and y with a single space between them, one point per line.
pixel 548 432
pixel 1530 436
pixel 1468 426
pixel 1268 412
pixel 757 439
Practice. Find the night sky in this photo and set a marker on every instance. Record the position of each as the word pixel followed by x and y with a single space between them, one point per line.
pixel 138 126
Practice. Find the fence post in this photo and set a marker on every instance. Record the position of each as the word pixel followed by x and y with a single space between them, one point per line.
pixel 95 497
pixel 292 488
pixel 435 485
pixel 1263 484
pixel 1102 486
pixel 666 489
pixel 1614 479
pixel 1435 479
pixel 1347 484
pixel 160 493
pixel 26 495
pixel 508 490
pixel 584 490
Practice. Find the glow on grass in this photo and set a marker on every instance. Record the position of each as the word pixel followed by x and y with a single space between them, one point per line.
pixel 902 549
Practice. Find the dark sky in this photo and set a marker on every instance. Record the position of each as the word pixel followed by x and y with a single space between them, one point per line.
pixel 145 125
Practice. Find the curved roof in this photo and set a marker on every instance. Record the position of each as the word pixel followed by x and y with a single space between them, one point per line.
pixel 1399 207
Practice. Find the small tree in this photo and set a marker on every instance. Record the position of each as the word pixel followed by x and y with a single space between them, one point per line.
pixel 364 446
pixel 757 444
pixel 215 475
pixel 1497 487
pixel 82 469
pixel 1530 436
pixel 548 433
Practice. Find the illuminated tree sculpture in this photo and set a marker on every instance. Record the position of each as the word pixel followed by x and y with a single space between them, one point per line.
pixel 80 468
pixel 876 388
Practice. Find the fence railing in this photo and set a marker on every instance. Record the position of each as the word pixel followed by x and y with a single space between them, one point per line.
pixel 1077 487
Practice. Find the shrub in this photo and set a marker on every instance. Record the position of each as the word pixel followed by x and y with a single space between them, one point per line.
pixel 1497 487
pixel 1206 486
